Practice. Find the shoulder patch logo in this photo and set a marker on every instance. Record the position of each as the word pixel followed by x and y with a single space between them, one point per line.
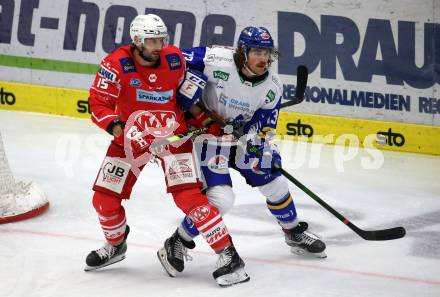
pixel 221 75
pixel 270 96
pixel 276 81
pixel 174 61
pixel 106 73
pixel 127 65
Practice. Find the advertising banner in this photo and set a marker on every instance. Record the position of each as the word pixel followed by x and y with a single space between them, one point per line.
pixel 374 60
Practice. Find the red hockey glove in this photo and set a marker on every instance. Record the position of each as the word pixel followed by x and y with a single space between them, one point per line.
pixel 203 120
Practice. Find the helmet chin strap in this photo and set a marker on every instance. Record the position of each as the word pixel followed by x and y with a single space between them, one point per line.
pixel 249 70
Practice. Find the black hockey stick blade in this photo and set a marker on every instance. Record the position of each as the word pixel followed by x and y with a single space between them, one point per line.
pixel 302 74
pixel 386 234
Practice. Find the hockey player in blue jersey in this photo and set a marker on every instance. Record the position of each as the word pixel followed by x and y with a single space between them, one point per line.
pixel 242 89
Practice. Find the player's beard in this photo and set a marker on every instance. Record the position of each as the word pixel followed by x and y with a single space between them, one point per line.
pixel 149 57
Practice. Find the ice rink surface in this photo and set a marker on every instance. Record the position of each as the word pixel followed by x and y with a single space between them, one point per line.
pixel 45 256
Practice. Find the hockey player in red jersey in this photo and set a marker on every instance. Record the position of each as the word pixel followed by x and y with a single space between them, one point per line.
pixel 133 97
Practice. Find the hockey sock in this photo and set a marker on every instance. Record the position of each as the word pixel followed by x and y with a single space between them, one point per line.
pixel 114 227
pixel 187 229
pixel 284 211
pixel 208 220
pixel 205 217
pixel 111 216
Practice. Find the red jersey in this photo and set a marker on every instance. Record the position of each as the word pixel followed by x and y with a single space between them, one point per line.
pixel 122 87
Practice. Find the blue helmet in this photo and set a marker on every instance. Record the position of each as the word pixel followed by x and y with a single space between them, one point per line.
pixel 255 37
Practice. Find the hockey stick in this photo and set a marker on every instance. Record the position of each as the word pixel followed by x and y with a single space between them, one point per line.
pixel 302 74
pixel 174 138
pixel 385 234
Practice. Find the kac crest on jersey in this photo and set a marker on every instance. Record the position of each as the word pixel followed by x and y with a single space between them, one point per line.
pixel 158 123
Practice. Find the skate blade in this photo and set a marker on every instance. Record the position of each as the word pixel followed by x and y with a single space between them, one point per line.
pixel 112 261
pixel 236 277
pixel 302 252
pixel 162 256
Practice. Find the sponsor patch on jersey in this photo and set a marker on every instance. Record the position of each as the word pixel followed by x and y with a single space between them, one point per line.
pixel 221 75
pixel 223 99
pixel 276 81
pixel 107 74
pixel 127 65
pixel 174 61
pixel 113 174
pixel 210 58
pixel 134 82
pixel 154 97
pixel 240 103
pixel 241 106
pixel 218 164
pixel 270 96
pixel 180 169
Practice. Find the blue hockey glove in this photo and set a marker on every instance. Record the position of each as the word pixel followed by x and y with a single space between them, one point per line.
pixel 267 156
pixel 190 91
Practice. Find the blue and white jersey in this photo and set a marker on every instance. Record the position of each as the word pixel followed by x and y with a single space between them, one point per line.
pixel 254 106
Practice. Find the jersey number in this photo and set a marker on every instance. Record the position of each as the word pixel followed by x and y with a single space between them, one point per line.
pixel 274 117
pixel 102 83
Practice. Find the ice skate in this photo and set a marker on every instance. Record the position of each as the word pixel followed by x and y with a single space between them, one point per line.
pixel 174 253
pixel 107 255
pixel 230 268
pixel 302 242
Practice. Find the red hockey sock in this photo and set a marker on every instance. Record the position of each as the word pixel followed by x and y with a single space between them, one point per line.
pixel 111 216
pixel 210 224
pixel 206 217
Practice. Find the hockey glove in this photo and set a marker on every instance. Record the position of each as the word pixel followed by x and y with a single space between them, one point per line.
pixel 111 126
pixel 190 91
pixel 266 154
pixel 203 120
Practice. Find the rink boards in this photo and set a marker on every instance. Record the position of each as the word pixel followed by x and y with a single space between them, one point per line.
pixel 313 128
